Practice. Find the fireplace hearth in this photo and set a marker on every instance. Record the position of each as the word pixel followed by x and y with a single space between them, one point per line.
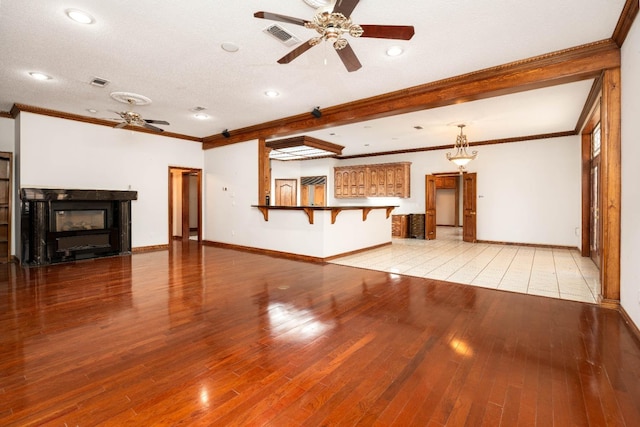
pixel 68 225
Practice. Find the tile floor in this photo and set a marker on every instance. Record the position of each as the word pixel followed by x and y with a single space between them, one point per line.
pixel 556 273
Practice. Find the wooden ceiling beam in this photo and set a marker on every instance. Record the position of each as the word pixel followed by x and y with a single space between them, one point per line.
pixel 560 67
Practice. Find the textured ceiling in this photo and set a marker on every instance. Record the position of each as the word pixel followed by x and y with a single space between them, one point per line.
pixel 171 52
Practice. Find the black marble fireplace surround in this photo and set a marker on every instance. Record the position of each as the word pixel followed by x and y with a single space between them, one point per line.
pixel 68 225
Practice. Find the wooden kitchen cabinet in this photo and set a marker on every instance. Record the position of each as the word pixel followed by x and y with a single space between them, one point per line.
pixel 380 180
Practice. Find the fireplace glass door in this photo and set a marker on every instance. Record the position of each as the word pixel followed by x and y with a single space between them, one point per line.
pixel 80 219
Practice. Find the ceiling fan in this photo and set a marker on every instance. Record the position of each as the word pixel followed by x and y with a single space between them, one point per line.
pixel 332 23
pixel 134 119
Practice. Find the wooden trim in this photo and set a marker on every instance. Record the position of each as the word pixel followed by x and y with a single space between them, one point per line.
pixel 151 248
pixel 264 172
pixel 471 144
pixel 591 103
pixel 585 250
pixel 610 304
pixel 628 15
pixel 529 245
pixel 560 67
pixel 307 141
pixel 633 328
pixel 17 108
pixel 610 167
pixel 6 115
pixel 289 255
pixel 279 254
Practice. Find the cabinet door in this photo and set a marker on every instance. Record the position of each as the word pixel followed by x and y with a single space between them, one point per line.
pixel 361 183
pixel 337 184
pixel 390 181
pixel 372 180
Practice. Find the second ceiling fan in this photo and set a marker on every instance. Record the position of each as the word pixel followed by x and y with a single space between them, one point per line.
pixel 332 24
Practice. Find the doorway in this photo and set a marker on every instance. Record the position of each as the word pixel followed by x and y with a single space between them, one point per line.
pixel 313 190
pixel 444 194
pixel 185 204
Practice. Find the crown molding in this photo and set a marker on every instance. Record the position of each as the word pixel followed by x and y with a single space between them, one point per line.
pixel 471 144
pixel 628 15
pixel 18 108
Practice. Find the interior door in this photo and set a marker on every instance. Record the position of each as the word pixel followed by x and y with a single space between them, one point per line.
pixel 286 192
pixel 469 207
pixel 430 208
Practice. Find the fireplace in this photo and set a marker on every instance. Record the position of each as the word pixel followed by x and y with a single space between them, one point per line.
pixel 69 225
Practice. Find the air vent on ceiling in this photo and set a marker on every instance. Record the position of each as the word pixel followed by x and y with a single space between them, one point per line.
pixel 282 34
pixel 98 81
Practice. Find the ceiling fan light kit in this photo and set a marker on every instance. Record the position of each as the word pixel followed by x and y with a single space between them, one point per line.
pixel 332 22
pixel 131 118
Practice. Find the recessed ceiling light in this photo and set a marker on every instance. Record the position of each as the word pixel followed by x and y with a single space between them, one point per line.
pixel 201 116
pixel 394 51
pixel 92 110
pixel 79 16
pixel 271 93
pixel 230 47
pixel 39 76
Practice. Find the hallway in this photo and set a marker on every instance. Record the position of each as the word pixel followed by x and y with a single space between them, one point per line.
pixel 556 273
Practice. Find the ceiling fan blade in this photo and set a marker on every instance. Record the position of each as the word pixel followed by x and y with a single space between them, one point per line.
pixel 345 7
pixel 349 58
pixel 153 128
pixel 158 122
pixel 399 32
pixel 281 18
pixel 295 53
pixel 121 125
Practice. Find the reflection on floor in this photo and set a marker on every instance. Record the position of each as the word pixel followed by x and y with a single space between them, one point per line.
pixel 557 273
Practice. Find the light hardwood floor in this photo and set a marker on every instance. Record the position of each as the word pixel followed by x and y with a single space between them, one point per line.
pixel 216 337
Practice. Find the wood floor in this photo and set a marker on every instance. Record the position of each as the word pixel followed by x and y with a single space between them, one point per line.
pixel 209 336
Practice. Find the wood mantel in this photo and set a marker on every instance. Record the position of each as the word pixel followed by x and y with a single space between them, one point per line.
pixel 335 210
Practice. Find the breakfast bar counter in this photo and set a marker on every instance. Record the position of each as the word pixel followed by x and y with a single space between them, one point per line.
pixel 322 232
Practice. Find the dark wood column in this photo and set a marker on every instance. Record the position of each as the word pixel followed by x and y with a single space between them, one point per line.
pixel 610 157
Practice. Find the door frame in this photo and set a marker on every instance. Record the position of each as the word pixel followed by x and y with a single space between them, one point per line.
pixel 173 171
pixel 432 212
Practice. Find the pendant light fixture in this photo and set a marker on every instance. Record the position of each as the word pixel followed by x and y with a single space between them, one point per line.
pixel 461 156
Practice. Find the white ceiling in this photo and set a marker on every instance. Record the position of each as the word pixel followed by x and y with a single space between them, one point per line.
pixel 170 51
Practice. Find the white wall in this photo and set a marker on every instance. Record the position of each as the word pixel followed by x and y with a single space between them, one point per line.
pixel 58 153
pixel 230 188
pixel 528 192
pixel 7 134
pixel 630 239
